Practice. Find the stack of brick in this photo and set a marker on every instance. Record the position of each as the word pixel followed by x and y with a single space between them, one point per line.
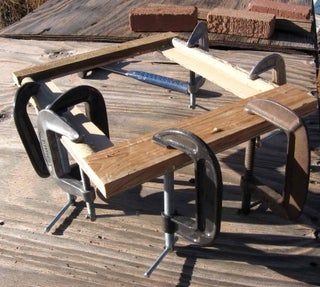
pixel 258 21
pixel 280 9
pixel 241 22
pixel 163 18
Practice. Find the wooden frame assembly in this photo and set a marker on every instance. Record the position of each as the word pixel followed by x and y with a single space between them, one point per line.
pixel 114 169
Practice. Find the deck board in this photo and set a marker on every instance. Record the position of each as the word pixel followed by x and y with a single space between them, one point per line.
pixel 259 249
pixel 63 20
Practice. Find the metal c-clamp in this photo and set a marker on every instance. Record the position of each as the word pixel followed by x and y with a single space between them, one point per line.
pixel 198 38
pixel 208 185
pixel 290 203
pixel 46 152
pixel 272 62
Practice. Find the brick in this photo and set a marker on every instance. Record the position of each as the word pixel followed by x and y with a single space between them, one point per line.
pixel 241 22
pixel 163 18
pixel 283 10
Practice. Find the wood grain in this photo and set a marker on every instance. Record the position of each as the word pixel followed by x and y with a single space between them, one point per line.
pixel 256 250
pixel 222 73
pixel 63 20
pixel 127 165
pixel 93 59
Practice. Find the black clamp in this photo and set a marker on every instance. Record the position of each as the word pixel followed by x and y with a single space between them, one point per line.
pixel 274 62
pixel 46 152
pixel 25 128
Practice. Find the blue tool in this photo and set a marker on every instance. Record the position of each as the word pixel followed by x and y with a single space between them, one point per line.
pixel 153 79
pixel 198 38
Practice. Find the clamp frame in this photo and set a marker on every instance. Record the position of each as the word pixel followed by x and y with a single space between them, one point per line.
pixel 46 152
pixel 290 203
pixel 208 184
pixel 198 38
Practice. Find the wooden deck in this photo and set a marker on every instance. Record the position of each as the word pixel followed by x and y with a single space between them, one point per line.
pixel 83 20
pixel 259 249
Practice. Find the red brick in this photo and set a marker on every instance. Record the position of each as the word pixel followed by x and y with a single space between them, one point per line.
pixel 240 22
pixel 163 18
pixel 283 10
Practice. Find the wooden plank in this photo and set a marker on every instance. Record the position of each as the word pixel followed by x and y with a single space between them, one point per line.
pixel 49 23
pixel 220 72
pixel 90 60
pixel 140 160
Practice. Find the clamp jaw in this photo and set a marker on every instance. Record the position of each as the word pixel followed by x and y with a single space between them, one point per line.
pixel 208 185
pixel 46 152
pixel 290 202
pixel 272 62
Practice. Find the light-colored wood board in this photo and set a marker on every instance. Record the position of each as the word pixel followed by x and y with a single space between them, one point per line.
pixel 222 73
pixel 260 249
pixel 109 21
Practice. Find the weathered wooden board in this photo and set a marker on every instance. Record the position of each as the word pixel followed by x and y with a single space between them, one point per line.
pixel 260 249
pixel 127 165
pixel 100 20
pixel 94 59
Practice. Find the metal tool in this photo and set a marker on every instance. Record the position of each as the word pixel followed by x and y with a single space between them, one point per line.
pixel 50 128
pixel 198 38
pixel 25 128
pixel 46 152
pixel 272 62
pixel 208 185
pixel 276 64
pixel 290 203
pixel 153 79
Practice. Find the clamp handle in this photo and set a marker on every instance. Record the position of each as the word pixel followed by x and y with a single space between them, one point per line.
pixel 208 181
